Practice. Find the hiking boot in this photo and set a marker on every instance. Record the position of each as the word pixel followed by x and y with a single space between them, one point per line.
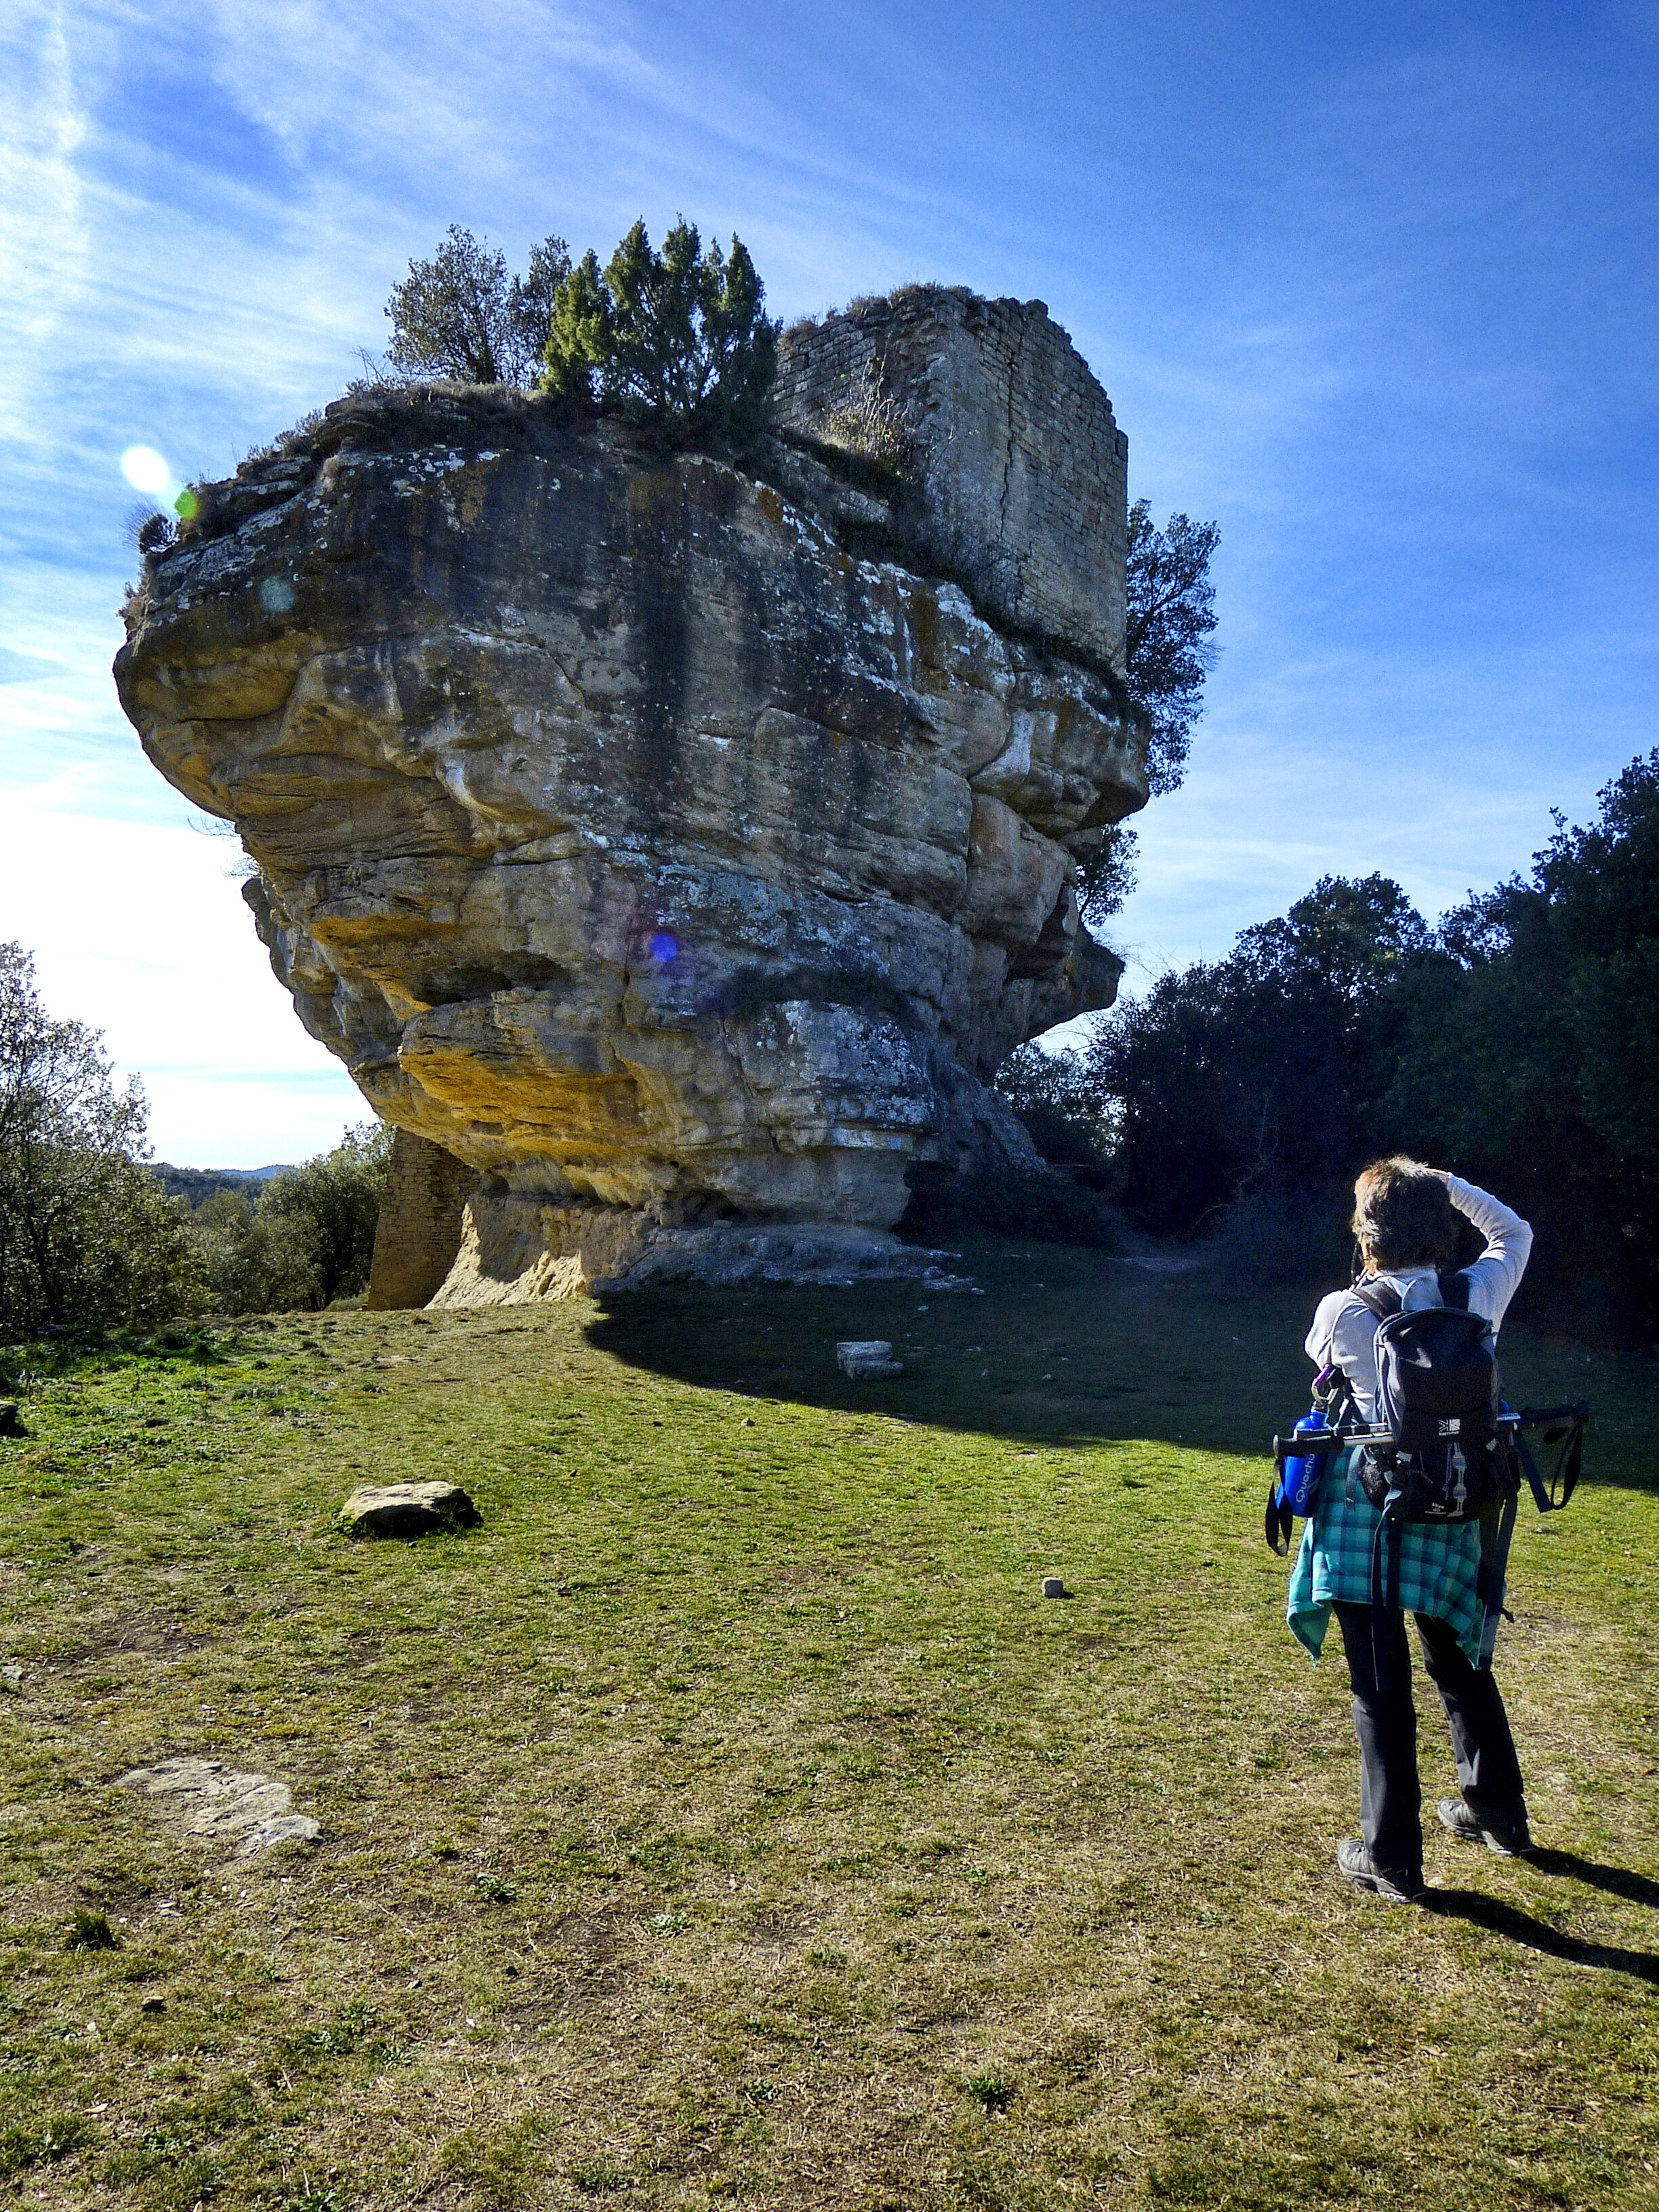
pixel 1397 1885
pixel 1461 1821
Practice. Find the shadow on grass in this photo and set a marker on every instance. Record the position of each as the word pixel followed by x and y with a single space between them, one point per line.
pixel 1618 1881
pixel 1066 1348
pixel 1518 1927
pixel 1056 1345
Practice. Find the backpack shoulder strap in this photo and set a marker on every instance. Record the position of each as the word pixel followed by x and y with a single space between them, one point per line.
pixel 1453 1291
pixel 1377 1297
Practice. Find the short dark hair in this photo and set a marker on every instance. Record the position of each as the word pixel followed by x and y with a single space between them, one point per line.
pixel 1402 1215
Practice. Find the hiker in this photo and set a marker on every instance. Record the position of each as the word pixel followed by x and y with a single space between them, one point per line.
pixel 1406 1231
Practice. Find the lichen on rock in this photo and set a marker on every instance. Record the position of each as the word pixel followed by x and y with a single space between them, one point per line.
pixel 627 835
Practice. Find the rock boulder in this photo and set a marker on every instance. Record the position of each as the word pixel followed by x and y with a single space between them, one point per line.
pixel 630 837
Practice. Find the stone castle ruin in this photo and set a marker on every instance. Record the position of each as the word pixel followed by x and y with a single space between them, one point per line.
pixel 1018 474
pixel 671 851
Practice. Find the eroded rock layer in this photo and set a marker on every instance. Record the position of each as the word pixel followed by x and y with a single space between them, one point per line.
pixel 625 835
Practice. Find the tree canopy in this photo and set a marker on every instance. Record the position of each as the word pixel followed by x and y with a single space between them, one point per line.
pixel 1516 1042
pixel 87 1234
pixel 1168 656
pixel 461 315
pixel 677 340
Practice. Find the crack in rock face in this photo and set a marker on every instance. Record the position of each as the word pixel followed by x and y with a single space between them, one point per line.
pixel 206 1798
pixel 627 836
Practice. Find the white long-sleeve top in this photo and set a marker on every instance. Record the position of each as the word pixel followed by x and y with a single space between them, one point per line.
pixel 1344 1331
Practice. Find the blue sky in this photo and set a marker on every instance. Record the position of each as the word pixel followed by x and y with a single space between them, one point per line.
pixel 1374 287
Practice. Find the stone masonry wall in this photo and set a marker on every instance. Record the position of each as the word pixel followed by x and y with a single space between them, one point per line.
pixel 1018 480
pixel 419 1232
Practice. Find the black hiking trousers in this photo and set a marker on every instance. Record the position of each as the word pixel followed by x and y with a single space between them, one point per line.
pixel 1385 1721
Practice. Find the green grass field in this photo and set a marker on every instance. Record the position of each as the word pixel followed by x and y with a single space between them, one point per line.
pixel 730 1818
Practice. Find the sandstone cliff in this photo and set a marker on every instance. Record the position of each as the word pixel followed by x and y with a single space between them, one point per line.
pixel 627 835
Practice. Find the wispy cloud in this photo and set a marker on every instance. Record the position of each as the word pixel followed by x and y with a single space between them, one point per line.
pixel 43 237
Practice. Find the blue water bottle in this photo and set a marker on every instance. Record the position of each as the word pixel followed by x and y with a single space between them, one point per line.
pixel 1303 1472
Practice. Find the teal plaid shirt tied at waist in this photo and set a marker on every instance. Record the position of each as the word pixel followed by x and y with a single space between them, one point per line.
pixel 1438 1563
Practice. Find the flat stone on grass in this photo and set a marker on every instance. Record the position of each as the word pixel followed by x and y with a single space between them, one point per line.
pixel 860 1356
pixel 408 1509
pixel 205 1797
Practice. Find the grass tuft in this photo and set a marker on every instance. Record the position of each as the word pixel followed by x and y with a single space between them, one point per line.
pixel 991 2092
pixel 90 1931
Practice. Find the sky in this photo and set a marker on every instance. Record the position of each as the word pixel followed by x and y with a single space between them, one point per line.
pixel 1373 288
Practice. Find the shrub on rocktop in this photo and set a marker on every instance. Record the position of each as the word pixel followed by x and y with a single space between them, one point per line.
pixel 461 315
pixel 676 340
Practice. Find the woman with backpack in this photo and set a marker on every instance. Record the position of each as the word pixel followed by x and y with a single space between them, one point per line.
pixel 1405 1221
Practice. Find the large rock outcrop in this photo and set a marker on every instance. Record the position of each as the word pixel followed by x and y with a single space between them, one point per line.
pixel 627 836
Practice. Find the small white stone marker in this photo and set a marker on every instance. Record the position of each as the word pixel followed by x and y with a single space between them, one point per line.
pixel 872 1355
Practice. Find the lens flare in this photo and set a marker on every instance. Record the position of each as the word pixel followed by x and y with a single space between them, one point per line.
pixel 145 469
pixel 663 947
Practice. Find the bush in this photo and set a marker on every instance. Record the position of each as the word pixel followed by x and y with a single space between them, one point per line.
pixel 1065 1114
pixel 331 1207
pixel 252 1264
pixel 676 341
pixel 88 1237
pixel 308 1239
pixel 460 315
pixel 1049 1208
pixel 868 426
pixel 1268 1237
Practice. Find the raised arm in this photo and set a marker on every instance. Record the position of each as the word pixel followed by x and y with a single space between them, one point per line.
pixel 1495 1275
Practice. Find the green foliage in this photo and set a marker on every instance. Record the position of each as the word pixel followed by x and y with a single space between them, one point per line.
pixel 90 1931
pixel 44 2144
pixel 1249 1073
pixel 336 2038
pixel 1050 1209
pixel 87 1235
pixel 867 424
pixel 332 1203
pixel 1172 615
pixel 1106 878
pixel 308 1239
pixel 461 315
pixel 675 340
pixel 1065 1114
pixel 1167 656
pixel 991 2092
pixel 1518 1042
pixel 253 1261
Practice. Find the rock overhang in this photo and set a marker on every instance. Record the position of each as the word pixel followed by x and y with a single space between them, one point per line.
pixel 627 835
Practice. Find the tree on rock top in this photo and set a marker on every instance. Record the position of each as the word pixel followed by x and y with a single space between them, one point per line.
pixel 676 340
pixel 460 315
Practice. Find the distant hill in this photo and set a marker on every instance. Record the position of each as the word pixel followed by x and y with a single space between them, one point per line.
pixel 196 1185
